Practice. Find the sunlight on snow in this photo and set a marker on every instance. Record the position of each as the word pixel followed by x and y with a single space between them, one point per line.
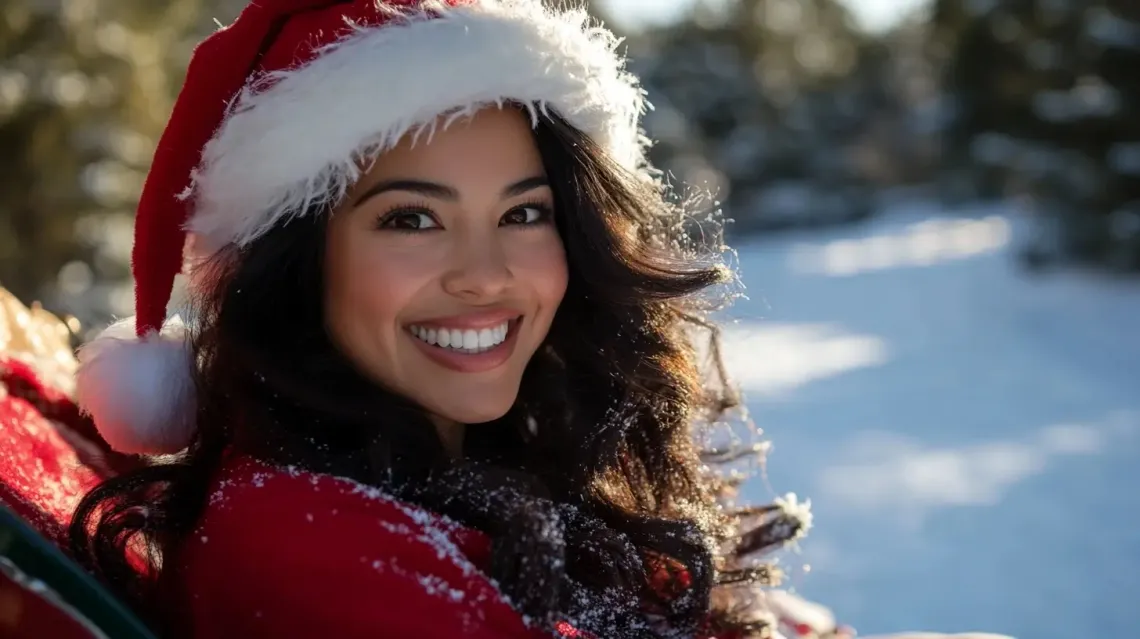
pixel 890 471
pixel 773 358
pixel 921 244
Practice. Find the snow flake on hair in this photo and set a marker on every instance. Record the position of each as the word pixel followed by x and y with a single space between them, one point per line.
pixel 797 514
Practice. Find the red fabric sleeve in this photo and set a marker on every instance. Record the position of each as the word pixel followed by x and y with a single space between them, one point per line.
pixel 281 555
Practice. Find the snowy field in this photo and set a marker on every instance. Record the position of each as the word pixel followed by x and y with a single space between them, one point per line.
pixel 969 435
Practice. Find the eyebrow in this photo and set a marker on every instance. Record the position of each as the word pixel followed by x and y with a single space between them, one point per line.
pixel 444 192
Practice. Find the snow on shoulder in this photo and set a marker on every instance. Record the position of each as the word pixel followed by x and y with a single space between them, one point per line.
pixel 283 552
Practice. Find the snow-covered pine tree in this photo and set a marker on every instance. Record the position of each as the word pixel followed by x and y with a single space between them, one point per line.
pixel 761 102
pixel 1046 103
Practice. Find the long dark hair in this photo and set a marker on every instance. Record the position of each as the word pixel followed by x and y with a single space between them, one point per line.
pixel 591 483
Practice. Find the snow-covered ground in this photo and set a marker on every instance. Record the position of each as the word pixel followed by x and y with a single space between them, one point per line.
pixel 969 435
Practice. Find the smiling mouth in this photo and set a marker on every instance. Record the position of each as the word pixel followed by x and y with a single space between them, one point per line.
pixel 467 341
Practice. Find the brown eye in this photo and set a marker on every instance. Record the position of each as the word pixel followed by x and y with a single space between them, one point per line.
pixel 408 221
pixel 527 215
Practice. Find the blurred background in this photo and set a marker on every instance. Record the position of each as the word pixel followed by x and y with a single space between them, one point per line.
pixel 936 207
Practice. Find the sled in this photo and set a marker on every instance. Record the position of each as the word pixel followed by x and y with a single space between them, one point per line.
pixel 49 457
pixel 43 593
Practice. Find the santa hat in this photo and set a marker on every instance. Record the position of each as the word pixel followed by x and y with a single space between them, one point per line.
pixel 277 113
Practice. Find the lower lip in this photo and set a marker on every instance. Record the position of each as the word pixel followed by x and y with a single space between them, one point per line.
pixel 472 362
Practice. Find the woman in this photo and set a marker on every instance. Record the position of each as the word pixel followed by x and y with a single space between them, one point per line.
pixel 439 378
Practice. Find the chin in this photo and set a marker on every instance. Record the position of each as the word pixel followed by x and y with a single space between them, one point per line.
pixel 482 408
pixel 477 415
pixel 471 399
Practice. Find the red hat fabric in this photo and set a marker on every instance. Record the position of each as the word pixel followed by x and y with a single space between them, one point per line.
pixel 279 113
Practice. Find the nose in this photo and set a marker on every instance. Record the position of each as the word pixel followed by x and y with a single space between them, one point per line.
pixel 479 270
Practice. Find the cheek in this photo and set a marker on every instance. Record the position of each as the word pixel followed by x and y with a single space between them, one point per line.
pixel 368 288
pixel 543 266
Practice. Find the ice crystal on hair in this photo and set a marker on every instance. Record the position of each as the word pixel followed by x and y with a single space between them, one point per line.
pixel 798 514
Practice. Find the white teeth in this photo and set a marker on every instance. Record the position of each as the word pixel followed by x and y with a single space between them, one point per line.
pixel 487 337
pixel 463 341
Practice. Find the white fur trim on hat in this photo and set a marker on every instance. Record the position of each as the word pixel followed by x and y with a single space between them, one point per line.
pixel 139 391
pixel 300 137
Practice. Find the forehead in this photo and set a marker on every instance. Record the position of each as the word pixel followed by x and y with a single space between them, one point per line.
pixel 493 144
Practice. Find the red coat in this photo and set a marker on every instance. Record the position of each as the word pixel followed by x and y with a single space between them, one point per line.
pixel 295 554
pixel 277 554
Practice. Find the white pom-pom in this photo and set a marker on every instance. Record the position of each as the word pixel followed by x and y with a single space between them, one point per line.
pixel 140 392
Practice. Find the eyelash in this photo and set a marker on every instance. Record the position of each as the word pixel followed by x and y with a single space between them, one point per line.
pixel 545 215
pixel 403 209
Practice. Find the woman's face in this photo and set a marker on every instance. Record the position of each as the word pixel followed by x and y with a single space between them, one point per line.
pixel 444 267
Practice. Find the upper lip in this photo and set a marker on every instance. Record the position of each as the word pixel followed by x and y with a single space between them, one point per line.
pixel 487 318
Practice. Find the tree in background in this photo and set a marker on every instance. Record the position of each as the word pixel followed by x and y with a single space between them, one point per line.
pixel 767 105
pixel 1046 100
pixel 782 109
pixel 85 89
